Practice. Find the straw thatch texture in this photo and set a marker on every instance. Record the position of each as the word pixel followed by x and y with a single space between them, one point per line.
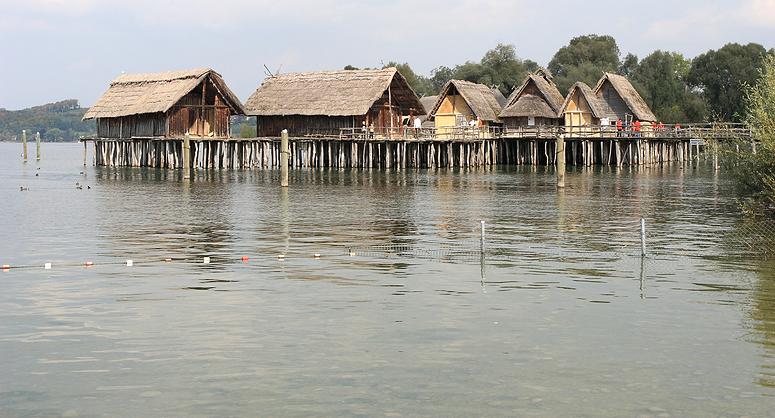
pixel 479 98
pixel 529 105
pixel 428 102
pixel 333 93
pixel 628 94
pixel 538 85
pixel 136 94
pixel 595 104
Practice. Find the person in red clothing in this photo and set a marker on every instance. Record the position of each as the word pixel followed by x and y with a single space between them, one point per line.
pixel 619 127
pixel 636 128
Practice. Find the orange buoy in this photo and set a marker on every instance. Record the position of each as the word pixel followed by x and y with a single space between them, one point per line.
pixel 6 267
pixel 245 259
pixel 88 264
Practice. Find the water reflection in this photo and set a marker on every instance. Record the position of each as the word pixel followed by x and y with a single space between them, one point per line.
pixel 763 313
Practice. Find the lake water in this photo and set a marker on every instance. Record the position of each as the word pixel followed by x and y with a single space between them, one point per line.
pixel 397 317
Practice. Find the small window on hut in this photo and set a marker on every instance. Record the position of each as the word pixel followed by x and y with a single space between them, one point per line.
pixel 531 121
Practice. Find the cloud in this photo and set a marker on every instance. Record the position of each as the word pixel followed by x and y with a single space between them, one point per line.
pixel 761 12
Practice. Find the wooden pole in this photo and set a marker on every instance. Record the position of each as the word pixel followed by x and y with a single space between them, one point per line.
pixel 37 145
pixel 561 160
pixel 85 153
pixel 186 156
pixel 284 155
pixel 642 237
pixel 24 144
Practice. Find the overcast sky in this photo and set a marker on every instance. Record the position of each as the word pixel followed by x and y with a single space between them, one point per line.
pixel 57 49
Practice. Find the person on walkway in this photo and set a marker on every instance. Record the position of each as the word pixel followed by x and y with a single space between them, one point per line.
pixel 636 128
pixel 417 126
pixel 364 131
pixel 619 127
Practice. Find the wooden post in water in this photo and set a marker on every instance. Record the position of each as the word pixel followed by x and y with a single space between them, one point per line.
pixel 85 152
pixel 24 144
pixel 284 155
pixel 186 157
pixel 37 145
pixel 561 160
pixel 642 237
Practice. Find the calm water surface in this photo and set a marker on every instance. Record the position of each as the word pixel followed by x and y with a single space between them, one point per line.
pixel 564 319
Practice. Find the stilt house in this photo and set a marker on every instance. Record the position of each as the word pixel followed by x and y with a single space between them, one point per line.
pixel 537 102
pixel 620 100
pixel 460 102
pixel 166 105
pixel 581 108
pixel 324 103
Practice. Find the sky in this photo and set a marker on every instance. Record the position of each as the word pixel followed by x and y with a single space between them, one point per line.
pixel 61 49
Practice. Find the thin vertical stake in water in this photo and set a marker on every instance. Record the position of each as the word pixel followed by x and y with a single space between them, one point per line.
pixel 642 237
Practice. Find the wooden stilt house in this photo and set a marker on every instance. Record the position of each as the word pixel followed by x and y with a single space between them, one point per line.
pixel 536 102
pixel 620 100
pixel 581 110
pixel 329 103
pixel 166 105
pixel 461 102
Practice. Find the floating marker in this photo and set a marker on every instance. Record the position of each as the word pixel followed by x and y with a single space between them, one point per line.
pixel 6 267
pixel 88 264
pixel 316 255
pixel 245 259
pixel 167 260
pixel 206 260
pixel 130 263
pixel 47 266
pixel 281 257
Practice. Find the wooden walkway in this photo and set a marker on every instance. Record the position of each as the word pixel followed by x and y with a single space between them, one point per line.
pixel 350 148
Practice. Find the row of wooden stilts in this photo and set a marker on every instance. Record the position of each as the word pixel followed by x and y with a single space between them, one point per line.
pixel 265 153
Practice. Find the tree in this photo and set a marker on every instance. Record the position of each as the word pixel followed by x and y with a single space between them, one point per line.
pixel 629 65
pixel 439 77
pixel 502 68
pixel 661 80
pixel 420 84
pixel 585 58
pixel 754 171
pixel 721 76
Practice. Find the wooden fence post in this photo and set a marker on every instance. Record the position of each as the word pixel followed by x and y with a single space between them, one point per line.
pixel 560 152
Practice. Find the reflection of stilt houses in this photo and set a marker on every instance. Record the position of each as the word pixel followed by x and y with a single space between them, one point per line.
pixel 536 102
pixel 461 102
pixel 620 100
pixel 324 103
pixel 168 104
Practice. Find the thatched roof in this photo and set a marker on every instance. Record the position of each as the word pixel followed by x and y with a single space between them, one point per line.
pixel 548 93
pixel 428 102
pixel 479 98
pixel 499 97
pixel 595 104
pixel 331 93
pixel 627 92
pixel 136 94
pixel 529 105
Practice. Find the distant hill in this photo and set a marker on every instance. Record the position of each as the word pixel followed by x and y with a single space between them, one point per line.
pixel 56 122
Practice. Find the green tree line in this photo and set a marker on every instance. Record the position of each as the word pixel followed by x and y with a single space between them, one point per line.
pixel 56 122
pixel 709 87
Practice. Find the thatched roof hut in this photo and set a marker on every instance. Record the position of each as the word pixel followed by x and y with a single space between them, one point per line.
pixel 536 102
pixel 478 101
pixel 582 107
pixel 619 99
pixel 169 104
pixel 305 102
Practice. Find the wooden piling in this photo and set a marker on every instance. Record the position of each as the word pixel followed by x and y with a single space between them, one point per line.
pixel 37 146
pixel 186 157
pixel 284 155
pixel 85 152
pixel 24 144
pixel 560 160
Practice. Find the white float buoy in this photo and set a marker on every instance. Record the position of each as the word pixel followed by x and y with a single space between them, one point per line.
pixel 206 260
pixel 130 263
pixel 47 266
